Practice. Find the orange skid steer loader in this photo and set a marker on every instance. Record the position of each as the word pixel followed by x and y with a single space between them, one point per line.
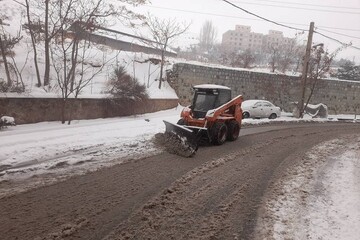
pixel 213 117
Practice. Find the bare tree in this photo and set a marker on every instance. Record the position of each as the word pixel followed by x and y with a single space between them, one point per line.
pixel 247 58
pixel 319 66
pixel 45 23
pixel 163 31
pixel 244 59
pixel 274 56
pixel 289 54
pixel 282 56
pixel 33 40
pixel 3 53
pixel 207 36
pixel 7 43
pixel 71 55
pixel 70 59
pixel 19 72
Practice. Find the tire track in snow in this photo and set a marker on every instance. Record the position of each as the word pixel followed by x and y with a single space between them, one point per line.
pixel 177 203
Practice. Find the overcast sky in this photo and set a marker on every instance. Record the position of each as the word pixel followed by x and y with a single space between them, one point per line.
pixel 334 18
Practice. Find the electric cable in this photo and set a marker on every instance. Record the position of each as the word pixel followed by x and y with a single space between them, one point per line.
pixel 338 41
pixel 268 20
pixel 308 4
pixel 252 19
pixel 341 34
pixel 265 19
pixel 300 8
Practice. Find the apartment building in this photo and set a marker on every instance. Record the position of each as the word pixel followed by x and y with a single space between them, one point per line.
pixel 242 38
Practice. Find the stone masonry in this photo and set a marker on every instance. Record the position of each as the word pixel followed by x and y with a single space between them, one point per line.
pixel 340 96
pixel 33 110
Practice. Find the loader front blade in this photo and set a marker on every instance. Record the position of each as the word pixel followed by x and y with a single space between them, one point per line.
pixel 180 140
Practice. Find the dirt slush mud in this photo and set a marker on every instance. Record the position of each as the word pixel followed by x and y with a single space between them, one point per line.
pixel 214 195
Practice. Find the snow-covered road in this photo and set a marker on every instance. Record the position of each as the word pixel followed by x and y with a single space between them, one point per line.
pixel 55 148
pixel 319 199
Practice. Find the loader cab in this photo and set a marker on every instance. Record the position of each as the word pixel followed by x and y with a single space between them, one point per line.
pixel 207 97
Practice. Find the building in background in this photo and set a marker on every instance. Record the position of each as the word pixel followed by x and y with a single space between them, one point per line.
pixel 242 39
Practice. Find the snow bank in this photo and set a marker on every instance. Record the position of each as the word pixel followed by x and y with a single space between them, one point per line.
pixel 6 121
pixel 319 199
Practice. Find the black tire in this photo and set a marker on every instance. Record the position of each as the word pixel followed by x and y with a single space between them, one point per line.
pixel 181 122
pixel 246 115
pixel 219 133
pixel 273 116
pixel 233 130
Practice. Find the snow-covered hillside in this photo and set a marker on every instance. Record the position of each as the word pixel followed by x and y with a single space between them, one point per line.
pixel 137 64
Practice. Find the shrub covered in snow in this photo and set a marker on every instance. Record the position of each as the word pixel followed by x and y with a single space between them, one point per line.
pixel 122 85
pixel 6 121
pixel 316 111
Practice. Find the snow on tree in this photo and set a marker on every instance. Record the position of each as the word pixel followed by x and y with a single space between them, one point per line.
pixel 7 43
pixel 123 86
pixel 348 71
pixel 46 19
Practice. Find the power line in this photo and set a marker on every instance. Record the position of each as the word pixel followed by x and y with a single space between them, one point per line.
pixel 345 29
pixel 265 19
pixel 338 41
pixel 276 23
pixel 307 4
pixel 203 13
pixel 341 34
pixel 252 19
pixel 300 8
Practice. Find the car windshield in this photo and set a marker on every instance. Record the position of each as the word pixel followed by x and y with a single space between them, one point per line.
pixel 204 102
pixel 249 103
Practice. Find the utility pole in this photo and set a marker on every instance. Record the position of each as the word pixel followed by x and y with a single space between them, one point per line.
pixel 305 70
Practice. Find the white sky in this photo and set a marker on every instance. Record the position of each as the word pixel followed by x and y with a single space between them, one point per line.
pixel 337 16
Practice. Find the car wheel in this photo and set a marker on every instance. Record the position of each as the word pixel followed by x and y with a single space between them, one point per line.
pixel 218 133
pixel 233 130
pixel 246 115
pixel 273 116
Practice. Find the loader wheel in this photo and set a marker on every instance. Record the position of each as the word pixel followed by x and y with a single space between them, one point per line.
pixel 233 130
pixel 219 133
pixel 181 122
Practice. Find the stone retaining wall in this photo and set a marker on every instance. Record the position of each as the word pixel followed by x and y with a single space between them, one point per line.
pixel 282 90
pixel 32 110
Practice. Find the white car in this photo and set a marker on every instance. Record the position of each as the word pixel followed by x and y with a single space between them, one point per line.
pixel 260 109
